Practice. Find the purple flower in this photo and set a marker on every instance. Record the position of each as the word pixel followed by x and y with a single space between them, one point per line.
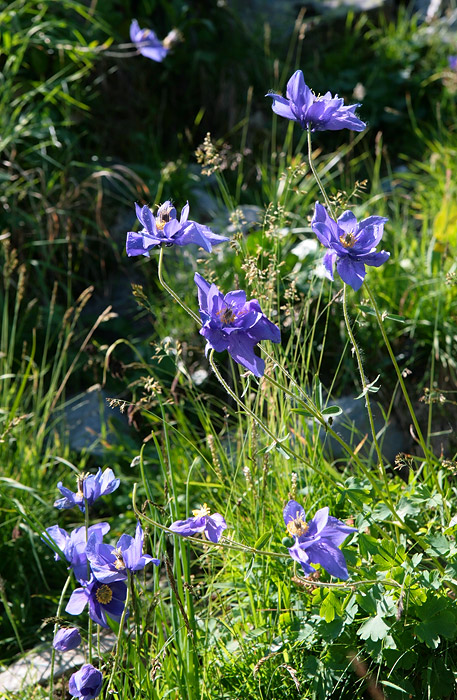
pixel 66 639
pixel 73 545
pixel 324 113
pixel 231 323
pixel 147 43
pixel 318 540
pixel 111 563
pixel 90 487
pixel 452 60
pixel 166 229
pixel 103 599
pixel 211 525
pixel 351 244
pixel 86 683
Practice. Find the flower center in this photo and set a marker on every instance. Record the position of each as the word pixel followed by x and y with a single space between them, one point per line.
pixel 104 594
pixel 297 527
pixel 227 315
pixel 80 479
pixel 348 240
pixel 119 563
pixel 201 512
pixel 163 218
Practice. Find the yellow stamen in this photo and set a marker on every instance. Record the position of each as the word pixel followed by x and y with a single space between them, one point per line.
pixel 348 240
pixel 203 511
pixel 297 527
pixel 163 218
pixel 104 594
pixel 119 563
pixel 227 315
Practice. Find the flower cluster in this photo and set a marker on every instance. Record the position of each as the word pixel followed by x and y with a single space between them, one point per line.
pixel 100 568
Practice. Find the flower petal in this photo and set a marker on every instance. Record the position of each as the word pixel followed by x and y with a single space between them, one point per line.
pixel 351 271
pixel 293 510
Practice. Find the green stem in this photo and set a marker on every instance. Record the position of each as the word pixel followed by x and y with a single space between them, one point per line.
pixel 119 635
pixel 53 651
pixel 405 394
pixel 365 389
pixel 89 625
pixel 316 176
pixel 172 293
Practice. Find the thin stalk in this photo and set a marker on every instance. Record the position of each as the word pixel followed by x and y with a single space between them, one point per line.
pixel 316 176
pixel 53 651
pixel 405 394
pixel 89 625
pixel 365 389
pixel 119 635
pixel 172 293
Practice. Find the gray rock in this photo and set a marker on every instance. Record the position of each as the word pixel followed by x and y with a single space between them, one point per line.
pixel 35 667
pixel 88 421
pixel 352 425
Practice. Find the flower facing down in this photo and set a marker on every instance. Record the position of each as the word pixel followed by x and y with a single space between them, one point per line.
pixel 350 244
pixel 231 323
pixel 89 488
pixel 112 563
pixel 318 540
pixel 147 43
pixel 103 599
pixel 211 525
pixel 164 228
pixel 86 683
pixel 452 61
pixel 73 545
pixel 66 639
pixel 323 113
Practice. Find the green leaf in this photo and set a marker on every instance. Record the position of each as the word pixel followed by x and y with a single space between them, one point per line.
pixel 332 411
pixel 438 620
pixel 330 608
pixel 374 628
pixel 302 412
pixel 263 539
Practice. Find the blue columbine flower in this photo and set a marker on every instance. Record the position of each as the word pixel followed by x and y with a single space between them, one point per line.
pixel 103 599
pixel 351 244
pixel 166 229
pixel 66 639
pixel 211 525
pixel 147 43
pixel 452 61
pixel 90 487
pixel 73 545
pixel 324 113
pixel 318 540
pixel 112 563
pixel 234 324
pixel 86 683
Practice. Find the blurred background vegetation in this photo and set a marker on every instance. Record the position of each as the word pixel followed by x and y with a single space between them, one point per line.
pixel 87 128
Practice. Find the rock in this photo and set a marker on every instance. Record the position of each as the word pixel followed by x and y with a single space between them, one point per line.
pixel 35 666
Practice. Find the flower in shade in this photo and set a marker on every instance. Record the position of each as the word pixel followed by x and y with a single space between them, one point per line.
pixel 73 545
pixel 103 599
pixel 211 525
pixel 66 639
pixel 112 563
pixel 452 60
pixel 86 683
pixel 318 540
pixel 231 323
pixel 147 43
pixel 350 244
pixel 89 488
pixel 322 113
pixel 164 228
